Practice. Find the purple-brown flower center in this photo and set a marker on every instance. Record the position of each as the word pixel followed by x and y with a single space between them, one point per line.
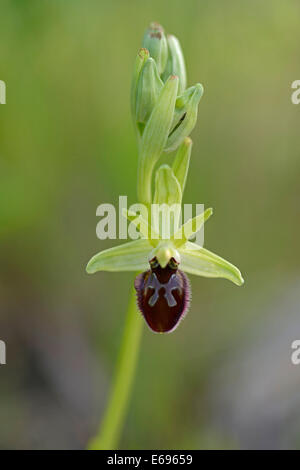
pixel 162 295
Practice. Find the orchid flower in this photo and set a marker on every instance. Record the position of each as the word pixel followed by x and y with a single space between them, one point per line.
pixel 164 114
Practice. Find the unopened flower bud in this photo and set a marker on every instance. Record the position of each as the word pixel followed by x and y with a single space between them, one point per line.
pixel 175 63
pixel 140 60
pixel 185 116
pixel 156 43
pixel 148 89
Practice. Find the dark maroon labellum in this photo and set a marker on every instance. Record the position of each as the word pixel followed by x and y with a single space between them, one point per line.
pixel 163 296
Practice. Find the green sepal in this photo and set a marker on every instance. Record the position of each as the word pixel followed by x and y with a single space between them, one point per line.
pixel 131 256
pixel 201 262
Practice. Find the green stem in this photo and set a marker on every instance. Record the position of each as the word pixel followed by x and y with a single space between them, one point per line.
pixel 109 433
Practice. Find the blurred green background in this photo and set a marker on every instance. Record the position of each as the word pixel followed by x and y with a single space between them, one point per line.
pixel 224 379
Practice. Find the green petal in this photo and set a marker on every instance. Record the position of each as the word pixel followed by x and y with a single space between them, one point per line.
pixel 191 227
pixel 201 262
pixel 142 226
pixel 132 256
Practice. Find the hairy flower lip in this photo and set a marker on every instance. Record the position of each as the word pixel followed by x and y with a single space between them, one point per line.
pixel 163 297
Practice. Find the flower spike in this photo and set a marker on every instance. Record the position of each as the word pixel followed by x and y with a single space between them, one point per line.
pixel 164 114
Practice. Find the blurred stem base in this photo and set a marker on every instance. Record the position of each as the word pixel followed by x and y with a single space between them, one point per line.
pixel 115 413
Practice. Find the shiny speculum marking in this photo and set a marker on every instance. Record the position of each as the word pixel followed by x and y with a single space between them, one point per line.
pixel 162 295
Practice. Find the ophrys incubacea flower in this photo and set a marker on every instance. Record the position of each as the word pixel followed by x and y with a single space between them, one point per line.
pixel 164 114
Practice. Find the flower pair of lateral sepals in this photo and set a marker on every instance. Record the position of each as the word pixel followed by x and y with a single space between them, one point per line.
pixel 163 291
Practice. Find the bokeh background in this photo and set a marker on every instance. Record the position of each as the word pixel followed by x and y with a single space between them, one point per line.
pixel 224 379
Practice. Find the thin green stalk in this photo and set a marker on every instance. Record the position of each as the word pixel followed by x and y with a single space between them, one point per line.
pixel 109 433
